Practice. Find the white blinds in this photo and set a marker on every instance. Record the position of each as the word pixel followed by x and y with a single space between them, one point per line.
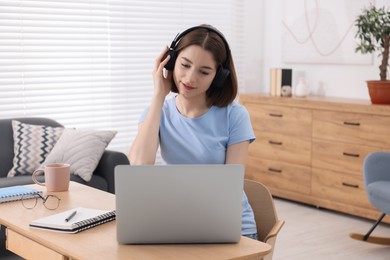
pixel 88 63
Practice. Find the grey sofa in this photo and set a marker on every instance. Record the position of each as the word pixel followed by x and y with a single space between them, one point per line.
pixel 103 176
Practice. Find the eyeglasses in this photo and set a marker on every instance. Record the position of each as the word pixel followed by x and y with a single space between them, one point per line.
pixel 50 201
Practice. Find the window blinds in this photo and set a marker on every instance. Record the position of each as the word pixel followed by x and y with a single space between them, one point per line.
pixel 88 63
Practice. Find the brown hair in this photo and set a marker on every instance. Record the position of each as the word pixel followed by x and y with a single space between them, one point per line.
pixel 212 42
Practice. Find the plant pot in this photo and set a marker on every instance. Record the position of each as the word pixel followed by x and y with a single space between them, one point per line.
pixel 379 91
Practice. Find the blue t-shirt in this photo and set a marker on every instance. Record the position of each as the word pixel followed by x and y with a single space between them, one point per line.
pixel 204 140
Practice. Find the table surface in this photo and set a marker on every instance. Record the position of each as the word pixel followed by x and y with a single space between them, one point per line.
pixel 100 242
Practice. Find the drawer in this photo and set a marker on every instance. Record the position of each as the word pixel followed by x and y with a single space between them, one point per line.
pixel 339 187
pixel 279 175
pixel 283 148
pixel 279 119
pixel 340 157
pixel 354 128
pixel 28 248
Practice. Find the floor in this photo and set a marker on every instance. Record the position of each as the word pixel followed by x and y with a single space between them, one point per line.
pixel 312 233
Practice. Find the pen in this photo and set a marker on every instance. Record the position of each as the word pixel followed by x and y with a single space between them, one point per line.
pixel 71 216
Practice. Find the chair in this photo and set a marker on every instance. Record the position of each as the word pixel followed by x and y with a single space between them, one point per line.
pixel 268 224
pixel 376 173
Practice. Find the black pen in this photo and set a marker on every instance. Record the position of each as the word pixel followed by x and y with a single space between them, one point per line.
pixel 71 216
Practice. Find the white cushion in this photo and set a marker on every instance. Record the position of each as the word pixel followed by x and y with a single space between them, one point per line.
pixel 82 149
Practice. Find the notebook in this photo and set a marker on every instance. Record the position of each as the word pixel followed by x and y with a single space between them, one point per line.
pixel 14 193
pixel 178 203
pixel 71 222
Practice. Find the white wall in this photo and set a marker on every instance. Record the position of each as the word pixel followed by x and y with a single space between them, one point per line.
pixel 263 22
pixel 254 47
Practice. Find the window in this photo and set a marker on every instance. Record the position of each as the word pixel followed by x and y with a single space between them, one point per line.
pixel 88 63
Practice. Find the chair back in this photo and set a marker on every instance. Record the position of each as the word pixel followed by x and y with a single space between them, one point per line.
pixel 376 167
pixel 376 173
pixel 261 201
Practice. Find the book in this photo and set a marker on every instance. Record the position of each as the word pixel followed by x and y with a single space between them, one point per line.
pixel 286 77
pixel 273 82
pixel 14 193
pixel 71 222
pixel 278 82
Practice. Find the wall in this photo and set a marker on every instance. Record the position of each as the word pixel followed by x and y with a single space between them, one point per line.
pixel 264 30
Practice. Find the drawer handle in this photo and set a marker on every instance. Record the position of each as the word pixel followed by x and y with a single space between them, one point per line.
pixel 275 115
pixel 351 123
pixel 351 154
pixel 350 185
pixel 274 170
pixel 274 142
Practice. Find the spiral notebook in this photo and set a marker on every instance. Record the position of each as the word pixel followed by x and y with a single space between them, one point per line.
pixel 14 193
pixel 83 219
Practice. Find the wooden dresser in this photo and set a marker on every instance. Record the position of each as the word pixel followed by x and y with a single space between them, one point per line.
pixel 312 149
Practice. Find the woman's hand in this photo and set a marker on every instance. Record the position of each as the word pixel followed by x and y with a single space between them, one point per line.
pixel 162 85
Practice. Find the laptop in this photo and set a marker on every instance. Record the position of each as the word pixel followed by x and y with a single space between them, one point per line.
pixel 162 204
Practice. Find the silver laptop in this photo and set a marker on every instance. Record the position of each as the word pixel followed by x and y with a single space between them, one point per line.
pixel 178 203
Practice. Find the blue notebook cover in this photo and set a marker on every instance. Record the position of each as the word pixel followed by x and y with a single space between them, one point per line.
pixel 16 193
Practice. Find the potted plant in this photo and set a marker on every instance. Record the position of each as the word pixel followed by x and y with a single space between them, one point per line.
pixel 373 32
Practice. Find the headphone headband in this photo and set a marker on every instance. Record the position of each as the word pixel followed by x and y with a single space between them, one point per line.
pixel 210 29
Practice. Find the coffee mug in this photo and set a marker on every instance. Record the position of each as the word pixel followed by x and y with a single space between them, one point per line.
pixel 57 176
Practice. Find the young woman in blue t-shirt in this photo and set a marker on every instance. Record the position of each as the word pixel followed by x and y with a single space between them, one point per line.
pixel 202 124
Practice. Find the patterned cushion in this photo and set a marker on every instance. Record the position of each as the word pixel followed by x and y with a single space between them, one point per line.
pixel 32 143
pixel 82 149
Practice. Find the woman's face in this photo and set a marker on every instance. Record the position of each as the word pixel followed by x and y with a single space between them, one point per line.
pixel 194 71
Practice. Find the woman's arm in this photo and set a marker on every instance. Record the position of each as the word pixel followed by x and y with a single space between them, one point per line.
pixel 145 145
pixel 237 153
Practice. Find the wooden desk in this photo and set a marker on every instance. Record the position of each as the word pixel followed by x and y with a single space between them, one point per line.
pixel 100 242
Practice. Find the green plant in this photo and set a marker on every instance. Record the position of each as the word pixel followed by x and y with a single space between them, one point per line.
pixel 373 26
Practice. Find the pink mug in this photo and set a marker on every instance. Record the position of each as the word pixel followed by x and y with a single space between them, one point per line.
pixel 57 176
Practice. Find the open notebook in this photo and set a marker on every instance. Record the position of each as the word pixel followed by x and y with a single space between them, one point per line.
pixel 84 218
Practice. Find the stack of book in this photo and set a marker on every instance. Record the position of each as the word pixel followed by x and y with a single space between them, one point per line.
pixel 279 78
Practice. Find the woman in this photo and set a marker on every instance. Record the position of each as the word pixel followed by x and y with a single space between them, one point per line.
pixel 201 124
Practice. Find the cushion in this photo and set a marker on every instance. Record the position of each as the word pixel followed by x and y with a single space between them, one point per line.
pixel 32 143
pixel 82 149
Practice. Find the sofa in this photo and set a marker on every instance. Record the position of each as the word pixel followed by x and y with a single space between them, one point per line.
pixel 102 178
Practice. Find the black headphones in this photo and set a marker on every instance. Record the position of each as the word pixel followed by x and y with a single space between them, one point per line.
pixel 223 71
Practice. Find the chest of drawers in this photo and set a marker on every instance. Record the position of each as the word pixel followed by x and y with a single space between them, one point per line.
pixel 311 150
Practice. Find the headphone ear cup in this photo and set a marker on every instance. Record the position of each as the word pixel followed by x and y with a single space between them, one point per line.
pixel 220 77
pixel 171 63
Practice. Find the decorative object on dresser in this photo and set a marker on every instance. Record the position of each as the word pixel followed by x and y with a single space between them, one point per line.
pixel 286 91
pixel 377 183
pixel 301 89
pixel 311 150
pixel 373 31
